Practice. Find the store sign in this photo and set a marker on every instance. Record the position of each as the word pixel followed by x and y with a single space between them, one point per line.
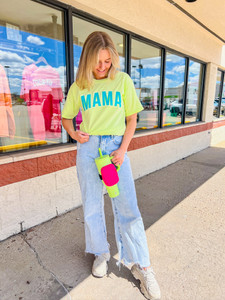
pixel 13 33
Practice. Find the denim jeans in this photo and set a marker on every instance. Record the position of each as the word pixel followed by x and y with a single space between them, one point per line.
pixel 129 229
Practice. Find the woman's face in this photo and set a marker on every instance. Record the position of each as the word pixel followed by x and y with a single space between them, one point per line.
pixel 102 68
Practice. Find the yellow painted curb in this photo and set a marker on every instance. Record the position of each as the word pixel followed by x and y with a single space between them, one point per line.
pixel 21 146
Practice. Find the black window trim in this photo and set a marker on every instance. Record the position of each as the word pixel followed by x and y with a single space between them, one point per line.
pixel 128 38
pixel 220 91
pixel 70 12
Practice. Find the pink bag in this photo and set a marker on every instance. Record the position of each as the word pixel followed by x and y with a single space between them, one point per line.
pixel 109 175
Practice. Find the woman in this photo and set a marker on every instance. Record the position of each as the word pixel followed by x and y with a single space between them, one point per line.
pixel 107 98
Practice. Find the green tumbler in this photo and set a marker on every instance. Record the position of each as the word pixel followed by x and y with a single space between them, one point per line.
pixel 108 174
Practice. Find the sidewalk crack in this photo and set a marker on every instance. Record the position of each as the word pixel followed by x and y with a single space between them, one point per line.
pixel 65 286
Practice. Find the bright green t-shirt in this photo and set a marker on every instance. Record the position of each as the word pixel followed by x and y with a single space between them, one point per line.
pixel 105 106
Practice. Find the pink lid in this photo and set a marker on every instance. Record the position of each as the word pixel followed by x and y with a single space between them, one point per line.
pixel 109 175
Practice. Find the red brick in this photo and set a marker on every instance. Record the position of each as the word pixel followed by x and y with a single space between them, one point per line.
pixel 18 171
pixel 218 124
pixel 56 162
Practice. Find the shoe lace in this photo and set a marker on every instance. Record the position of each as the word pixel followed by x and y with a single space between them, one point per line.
pixel 101 258
pixel 149 276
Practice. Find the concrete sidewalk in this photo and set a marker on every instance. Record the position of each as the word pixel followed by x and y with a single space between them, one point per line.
pixel 183 208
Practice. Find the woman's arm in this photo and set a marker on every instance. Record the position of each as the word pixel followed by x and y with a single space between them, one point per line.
pixel 128 135
pixel 79 136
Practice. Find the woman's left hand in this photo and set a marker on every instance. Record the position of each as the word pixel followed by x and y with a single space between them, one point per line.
pixel 118 156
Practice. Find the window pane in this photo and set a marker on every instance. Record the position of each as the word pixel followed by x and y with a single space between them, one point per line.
pixel 193 92
pixel 217 94
pixel 32 75
pixel 81 30
pixel 145 72
pixel 222 106
pixel 174 89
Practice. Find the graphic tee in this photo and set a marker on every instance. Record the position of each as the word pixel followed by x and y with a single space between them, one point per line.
pixel 42 91
pixel 7 122
pixel 105 106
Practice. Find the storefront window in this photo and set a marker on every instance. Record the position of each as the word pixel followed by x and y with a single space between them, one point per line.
pixel 32 75
pixel 33 80
pixel 81 30
pixel 193 92
pixel 222 105
pixel 217 94
pixel 219 101
pixel 173 90
pixel 145 72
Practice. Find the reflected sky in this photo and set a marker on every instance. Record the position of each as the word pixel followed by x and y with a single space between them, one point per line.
pixel 24 48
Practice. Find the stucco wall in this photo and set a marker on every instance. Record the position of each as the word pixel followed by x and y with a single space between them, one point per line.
pixel 159 21
pixel 218 135
pixel 30 202
pixel 209 93
pixel 149 159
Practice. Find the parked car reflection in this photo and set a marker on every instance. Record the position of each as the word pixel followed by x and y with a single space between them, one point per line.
pixel 216 104
pixel 177 107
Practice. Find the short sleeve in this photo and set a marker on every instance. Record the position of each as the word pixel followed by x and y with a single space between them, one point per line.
pixel 132 104
pixel 73 103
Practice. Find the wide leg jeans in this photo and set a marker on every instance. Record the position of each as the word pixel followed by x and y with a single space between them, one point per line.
pixel 129 229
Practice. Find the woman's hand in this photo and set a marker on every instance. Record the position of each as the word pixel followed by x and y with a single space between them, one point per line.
pixel 129 132
pixel 80 136
pixel 118 156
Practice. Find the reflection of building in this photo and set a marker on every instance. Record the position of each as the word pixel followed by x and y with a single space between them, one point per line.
pixel 42 92
pixel 176 92
pixel 7 122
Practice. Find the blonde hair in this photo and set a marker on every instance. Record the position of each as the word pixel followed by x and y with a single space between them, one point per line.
pixel 95 42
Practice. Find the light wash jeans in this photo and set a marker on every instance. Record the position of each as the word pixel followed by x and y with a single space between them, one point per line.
pixel 129 229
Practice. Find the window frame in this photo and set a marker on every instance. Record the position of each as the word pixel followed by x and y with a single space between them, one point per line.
pixel 162 78
pixel 128 40
pixel 64 8
pixel 222 82
pixel 69 12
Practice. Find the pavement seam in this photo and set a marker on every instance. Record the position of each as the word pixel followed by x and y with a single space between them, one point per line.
pixel 44 267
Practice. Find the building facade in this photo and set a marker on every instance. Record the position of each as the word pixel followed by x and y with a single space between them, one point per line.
pixel 177 65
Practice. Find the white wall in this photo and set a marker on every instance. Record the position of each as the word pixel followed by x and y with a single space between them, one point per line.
pixel 159 21
pixel 223 57
pixel 218 135
pixel 30 202
pixel 155 157
pixel 209 94
pixel 36 200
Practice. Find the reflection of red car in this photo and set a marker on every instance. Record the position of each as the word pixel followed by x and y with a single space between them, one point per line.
pixel 78 120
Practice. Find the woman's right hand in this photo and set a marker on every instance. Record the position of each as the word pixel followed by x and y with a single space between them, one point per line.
pixel 80 136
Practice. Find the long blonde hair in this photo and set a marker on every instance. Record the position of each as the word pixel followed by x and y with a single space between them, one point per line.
pixel 96 41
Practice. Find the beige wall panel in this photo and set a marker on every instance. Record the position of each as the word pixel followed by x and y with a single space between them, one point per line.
pixel 149 159
pixel 31 202
pixel 159 21
pixel 218 135
pixel 209 94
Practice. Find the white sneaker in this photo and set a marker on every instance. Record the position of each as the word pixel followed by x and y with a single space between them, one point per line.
pixel 100 265
pixel 149 285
